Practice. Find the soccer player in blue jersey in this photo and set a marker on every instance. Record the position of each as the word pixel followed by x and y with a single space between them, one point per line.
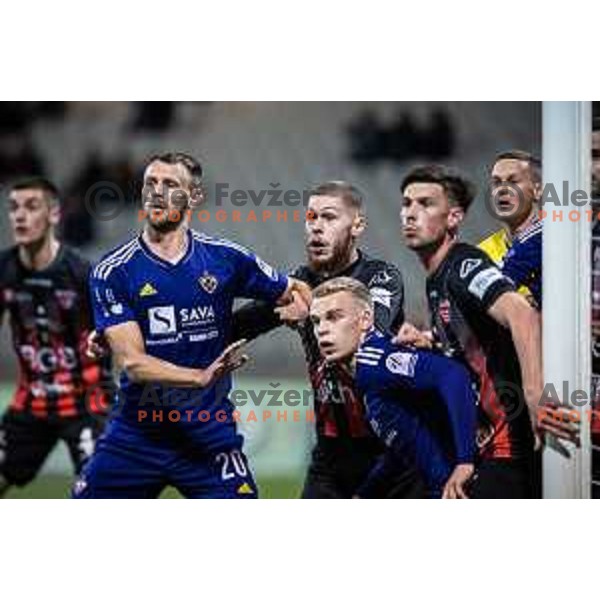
pixel 164 302
pixel 516 190
pixel 422 405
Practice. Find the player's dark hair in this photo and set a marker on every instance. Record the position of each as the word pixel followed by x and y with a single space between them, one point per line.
pixel 35 182
pixel 344 284
pixel 349 193
pixel 534 163
pixel 192 165
pixel 458 188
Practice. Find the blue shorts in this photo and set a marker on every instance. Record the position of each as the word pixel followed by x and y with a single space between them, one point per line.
pixel 132 463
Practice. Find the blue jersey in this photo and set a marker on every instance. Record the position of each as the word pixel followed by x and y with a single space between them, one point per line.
pixel 184 312
pixel 422 405
pixel 523 261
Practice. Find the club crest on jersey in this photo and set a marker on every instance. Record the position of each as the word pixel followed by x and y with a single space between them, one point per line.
pixel 147 290
pixel 402 363
pixel 208 282
pixel 468 266
pixel 66 298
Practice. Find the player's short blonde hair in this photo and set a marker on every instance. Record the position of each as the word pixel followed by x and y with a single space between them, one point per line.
pixel 345 284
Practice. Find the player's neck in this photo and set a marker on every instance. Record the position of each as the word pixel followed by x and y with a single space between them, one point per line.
pixel 340 267
pixel 433 256
pixel 168 245
pixel 513 229
pixel 39 256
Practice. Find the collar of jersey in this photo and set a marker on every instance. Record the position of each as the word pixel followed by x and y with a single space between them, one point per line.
pixel 161 261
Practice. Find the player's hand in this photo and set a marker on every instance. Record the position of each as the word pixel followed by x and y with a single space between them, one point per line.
pixel 96 346
pixel 230 360
pixel 409 335
pixel 454 488
pixel 295 302
pixel 559 421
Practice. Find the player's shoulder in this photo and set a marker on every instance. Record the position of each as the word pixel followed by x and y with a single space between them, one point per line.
pixel 379 355
pixel 303 273
pixel 117 259
pixel 377 272
pixel 219 244
pixel 532 234
pixel 495 245
pixel 9 261
pixel 72 256
pixel 465 259
pixel 9 256
pixel 73 262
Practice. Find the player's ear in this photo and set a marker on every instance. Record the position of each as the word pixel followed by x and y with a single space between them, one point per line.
pixel 367 320
pixel 359 224
pixel 54 214
pixel 537 191
pixel 198 196
pixel 456 216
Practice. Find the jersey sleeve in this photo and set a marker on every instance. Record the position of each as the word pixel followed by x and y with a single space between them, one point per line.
pixel 387 291
pixel 110 299
pixel 404 368
pixel 258 317
pixel 477 281
pixel 523 262
pixel 257 279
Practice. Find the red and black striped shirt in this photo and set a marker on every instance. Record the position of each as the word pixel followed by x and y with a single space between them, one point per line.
pixel 50 319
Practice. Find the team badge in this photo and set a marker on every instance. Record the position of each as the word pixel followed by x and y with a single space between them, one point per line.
pixel 66 298
pixel 208 282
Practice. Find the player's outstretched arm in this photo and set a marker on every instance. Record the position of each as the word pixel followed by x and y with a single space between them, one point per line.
pixel 127 345
pixel 514 312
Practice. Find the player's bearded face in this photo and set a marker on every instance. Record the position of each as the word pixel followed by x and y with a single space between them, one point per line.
pixel 427 216
pixel 31 216
pixel 331 231
pixel 166 196
pixel 340 322
pixel 513 191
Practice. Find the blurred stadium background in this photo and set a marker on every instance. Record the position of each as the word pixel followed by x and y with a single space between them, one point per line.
pixel 254 146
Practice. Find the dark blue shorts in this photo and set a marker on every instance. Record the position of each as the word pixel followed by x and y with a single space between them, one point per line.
pixel 130 462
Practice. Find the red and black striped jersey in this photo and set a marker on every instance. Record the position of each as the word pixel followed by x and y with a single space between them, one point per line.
pixel 460 292
pixel 50 319
pixel 339 409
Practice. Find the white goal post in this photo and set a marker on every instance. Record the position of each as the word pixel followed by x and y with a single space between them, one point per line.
pixel 566 155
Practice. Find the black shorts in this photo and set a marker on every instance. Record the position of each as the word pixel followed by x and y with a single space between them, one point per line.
pixel 507 479
pixel 339 467
pixel 26 442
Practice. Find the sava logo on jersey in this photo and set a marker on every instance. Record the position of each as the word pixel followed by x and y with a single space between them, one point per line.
pixel 163 319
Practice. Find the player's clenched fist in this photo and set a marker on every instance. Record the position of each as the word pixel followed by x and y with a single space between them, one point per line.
pixel 295 302
pixel 409 335
pixel 96 346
